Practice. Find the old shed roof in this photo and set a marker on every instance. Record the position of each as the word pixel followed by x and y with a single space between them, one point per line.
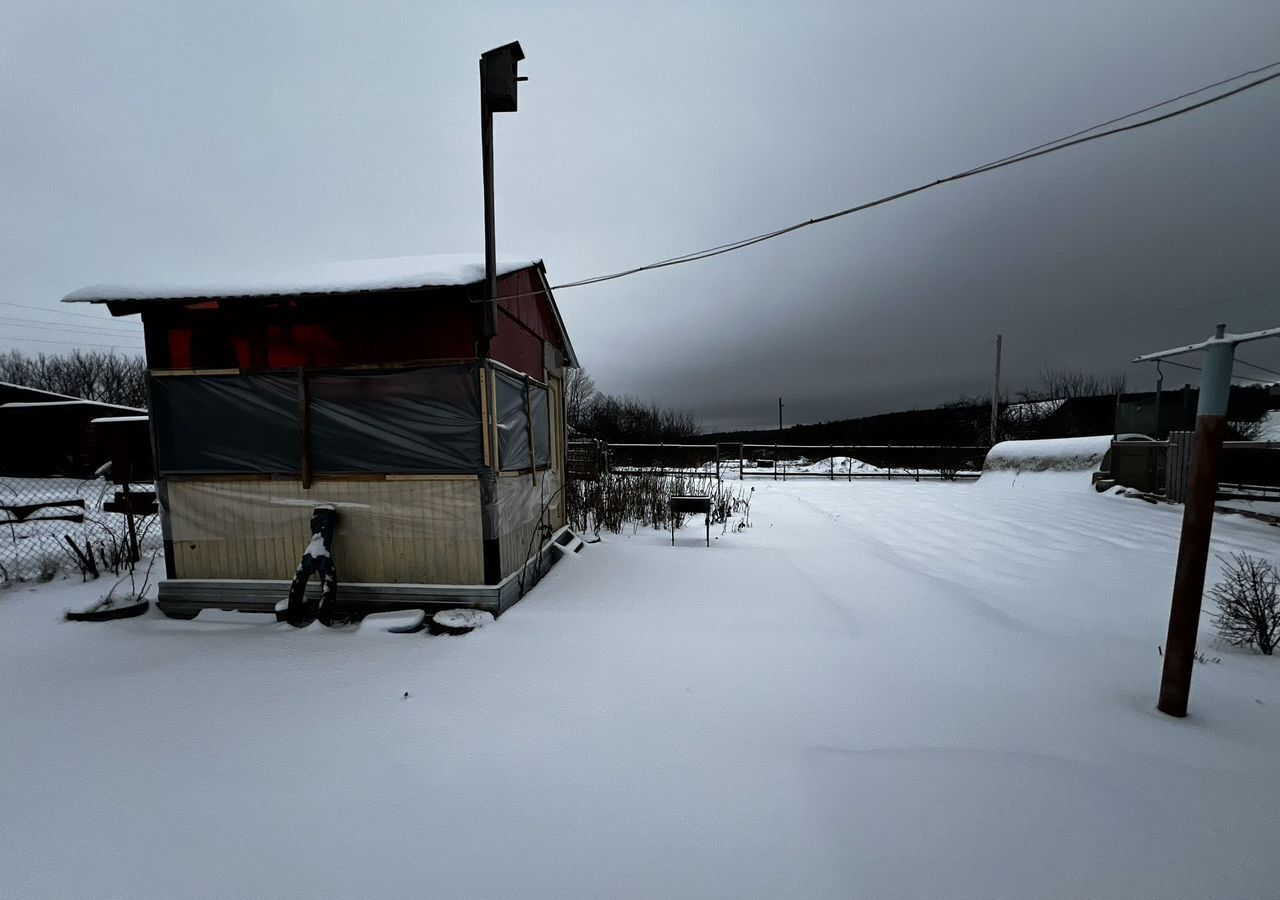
pixel 351 276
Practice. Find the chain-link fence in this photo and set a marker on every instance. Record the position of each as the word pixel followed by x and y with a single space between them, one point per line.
pixel 52 526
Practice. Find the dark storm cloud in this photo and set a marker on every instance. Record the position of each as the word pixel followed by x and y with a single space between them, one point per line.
pixel 188 140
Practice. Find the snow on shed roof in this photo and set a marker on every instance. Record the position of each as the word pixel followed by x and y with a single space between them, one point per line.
pixel 24 389
pixel 351 276
pixel 47 404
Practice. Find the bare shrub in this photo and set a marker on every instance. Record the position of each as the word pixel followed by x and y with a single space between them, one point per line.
pixel 643 499
pixel 1248 600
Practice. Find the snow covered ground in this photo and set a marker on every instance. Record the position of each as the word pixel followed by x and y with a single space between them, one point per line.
pixel 1270 427
pixel 880 689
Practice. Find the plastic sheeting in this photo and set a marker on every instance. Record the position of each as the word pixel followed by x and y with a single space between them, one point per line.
pixel 521 502
pixel 414 510
pixel 540 399
pixel 513 424
pixel 411 422
pixel 523 507
pixel 414 531
pixel 210 424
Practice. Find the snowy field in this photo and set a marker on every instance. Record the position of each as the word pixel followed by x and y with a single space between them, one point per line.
pixel 881 689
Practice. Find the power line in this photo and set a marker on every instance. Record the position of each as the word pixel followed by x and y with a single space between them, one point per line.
pixel 1138 112
pixel 119 346
pixel 1207 303
pixel 58 326
pixel 58 311
pixel 1054 146
pixel 1170 362
pixel 1256 366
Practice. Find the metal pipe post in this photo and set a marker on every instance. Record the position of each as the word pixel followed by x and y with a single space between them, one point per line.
pixel 995 391
pixel 1197 527
pixel 489 311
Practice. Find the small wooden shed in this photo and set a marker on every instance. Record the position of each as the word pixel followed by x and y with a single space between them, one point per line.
pixel 363 386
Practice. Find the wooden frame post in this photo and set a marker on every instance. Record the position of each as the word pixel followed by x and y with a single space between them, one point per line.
pixel 528 411
pixel 304 427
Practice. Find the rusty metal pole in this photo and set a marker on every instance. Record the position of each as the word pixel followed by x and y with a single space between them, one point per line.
pixel 1197 527
pixel 1197 515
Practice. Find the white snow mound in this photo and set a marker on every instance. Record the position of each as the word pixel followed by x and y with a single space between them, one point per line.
pixel 1079 454
pixel 463 618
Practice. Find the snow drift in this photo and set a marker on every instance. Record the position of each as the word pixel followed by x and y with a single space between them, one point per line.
pixel 1079 454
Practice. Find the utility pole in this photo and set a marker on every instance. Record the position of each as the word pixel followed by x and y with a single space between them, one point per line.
pixel 777 454
pixel 995 391
pixel 498 81
pixel 1197 514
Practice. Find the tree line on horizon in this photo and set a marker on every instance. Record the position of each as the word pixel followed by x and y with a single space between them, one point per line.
pixel 108 377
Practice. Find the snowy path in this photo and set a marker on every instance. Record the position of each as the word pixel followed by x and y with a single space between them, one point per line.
pixel 882 689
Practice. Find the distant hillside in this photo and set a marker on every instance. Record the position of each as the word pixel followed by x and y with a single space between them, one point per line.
pixel 958 424
pixel 969 422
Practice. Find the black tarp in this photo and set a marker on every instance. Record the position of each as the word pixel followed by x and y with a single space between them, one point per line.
pixel 209 424
pixel 413 421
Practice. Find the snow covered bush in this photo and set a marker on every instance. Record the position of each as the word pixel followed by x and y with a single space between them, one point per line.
pixel 1248 600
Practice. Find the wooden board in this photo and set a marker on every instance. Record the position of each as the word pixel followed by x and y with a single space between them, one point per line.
pixel 394 532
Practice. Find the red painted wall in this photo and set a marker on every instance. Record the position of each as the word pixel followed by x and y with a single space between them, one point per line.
pixel 366 329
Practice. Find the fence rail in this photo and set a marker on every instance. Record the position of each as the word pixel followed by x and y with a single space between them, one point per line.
pixel 589 459
pixel 1249 469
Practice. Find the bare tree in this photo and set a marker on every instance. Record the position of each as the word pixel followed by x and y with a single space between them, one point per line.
pixel 630 420
pixel 1248 600
pixel 579 393
pixel 105 377
pixel 1065 384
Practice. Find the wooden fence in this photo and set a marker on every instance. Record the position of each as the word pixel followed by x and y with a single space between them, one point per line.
pixel 1250 469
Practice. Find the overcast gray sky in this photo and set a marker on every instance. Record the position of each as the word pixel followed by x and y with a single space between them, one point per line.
pixel 187 141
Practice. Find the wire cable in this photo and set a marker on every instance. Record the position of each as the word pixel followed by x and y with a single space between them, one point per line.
pixel 15 322
pixel 1180 365
pixel 1245 362
pixel 122 346
pixel 1075 139
pixel 59 311
pixel 1145 109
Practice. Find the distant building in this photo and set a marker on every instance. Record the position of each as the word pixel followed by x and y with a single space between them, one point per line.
pixel 47 434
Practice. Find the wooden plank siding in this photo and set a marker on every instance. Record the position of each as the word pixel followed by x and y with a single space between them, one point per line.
pixel 402 531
